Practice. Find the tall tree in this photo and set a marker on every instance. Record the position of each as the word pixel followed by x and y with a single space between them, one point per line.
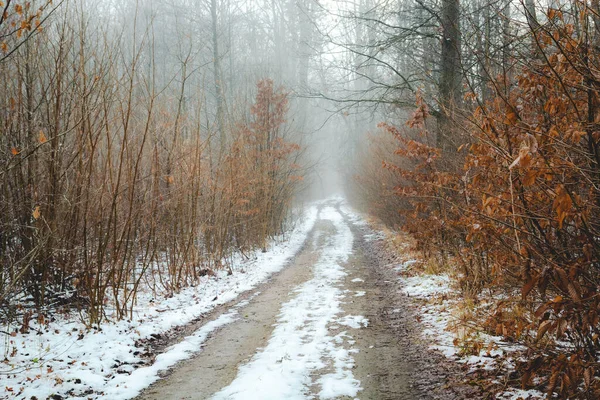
pixel 450 72
pixel 217 74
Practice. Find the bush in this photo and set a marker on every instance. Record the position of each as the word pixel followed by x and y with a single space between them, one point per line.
pixel 523 211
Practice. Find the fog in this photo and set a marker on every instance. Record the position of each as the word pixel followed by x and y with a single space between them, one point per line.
pixel 211 53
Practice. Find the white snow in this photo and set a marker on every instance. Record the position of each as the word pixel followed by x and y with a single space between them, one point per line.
pixel 354 321
pixel 359 293
pixel 517 394
pixel 301 344
pixel 66 358
pixel 441 328
pixel 351 215
pixel 129 386
pixel 426 286
pixel 370 237
pixel 357 280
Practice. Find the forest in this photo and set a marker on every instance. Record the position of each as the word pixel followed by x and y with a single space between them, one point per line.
pixel 148 146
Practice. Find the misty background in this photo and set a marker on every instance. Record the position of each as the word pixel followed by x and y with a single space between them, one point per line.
pixel 220 49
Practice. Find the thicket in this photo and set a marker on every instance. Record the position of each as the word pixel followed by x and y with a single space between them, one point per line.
pixel 110 181
pixel 516 207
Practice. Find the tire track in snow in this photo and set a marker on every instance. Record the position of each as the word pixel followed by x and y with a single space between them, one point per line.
pixel 301 346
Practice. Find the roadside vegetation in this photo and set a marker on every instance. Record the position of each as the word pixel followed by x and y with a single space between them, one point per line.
pixel 122 168
pixel 508 199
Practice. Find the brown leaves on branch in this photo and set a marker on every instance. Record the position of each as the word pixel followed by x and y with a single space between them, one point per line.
pixel 523 212
pixel 18 22
pixel 562 204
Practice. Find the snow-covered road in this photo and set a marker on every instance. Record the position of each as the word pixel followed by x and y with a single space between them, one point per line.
pixel 292 340
pixel 301 344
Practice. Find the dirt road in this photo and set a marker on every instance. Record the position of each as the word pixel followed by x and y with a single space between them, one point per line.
pixel 330 325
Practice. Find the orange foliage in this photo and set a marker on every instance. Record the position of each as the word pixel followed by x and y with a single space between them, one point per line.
pixel 524 211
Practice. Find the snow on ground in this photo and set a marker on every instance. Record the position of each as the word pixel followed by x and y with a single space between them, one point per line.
pixel 426 286
pixel 66 359
pixel 354 321
pixel 301 344
pixel 434 317
pixel 370 237
pixel 519 394
pixel 356 219
pixel 128 386
pixel 440 325
pixel 437 315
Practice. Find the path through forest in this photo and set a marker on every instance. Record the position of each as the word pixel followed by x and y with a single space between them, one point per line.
pixel 327 326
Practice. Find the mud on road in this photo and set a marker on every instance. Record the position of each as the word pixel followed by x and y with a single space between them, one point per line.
pixel 392 361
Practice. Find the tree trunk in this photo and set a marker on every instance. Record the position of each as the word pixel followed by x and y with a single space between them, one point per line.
pixel 217 75
pixel 534 26
pixel 450 73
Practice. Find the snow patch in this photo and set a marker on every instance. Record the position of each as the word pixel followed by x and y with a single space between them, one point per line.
pixel 371 237
pixel 129 386
pixel 354 321
pixel 352 215
pixel 517 394
pixel 426 286
pixel 437 321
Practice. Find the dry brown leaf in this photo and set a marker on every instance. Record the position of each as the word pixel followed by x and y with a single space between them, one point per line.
pixel 544 326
